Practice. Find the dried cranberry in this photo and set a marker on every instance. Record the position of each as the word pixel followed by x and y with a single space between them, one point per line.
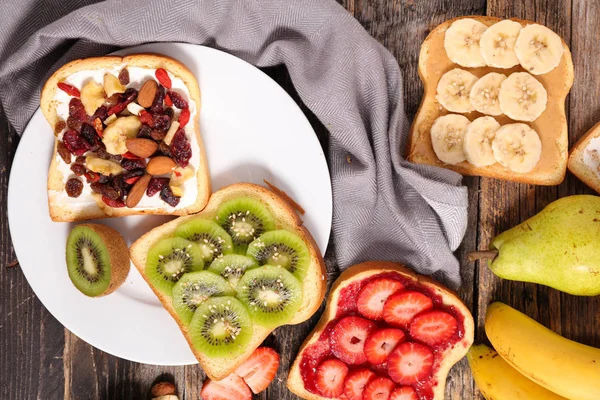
pixel 146 118
pixel 74 187
pixel 76 110
pixel 101 112
pixel 161 122
pixel 105 190
pixel 165 149
pixel 75 143
pixel 181 148
pixel 78 169
pixel 177 100
pixel 157 104
pixel 144 132
pixel 113 203
pixel 156 185
pixel 157 135
pixel 89 133
pixel 92 177
pixel 166 194
pixel 163 77
pixel 63 152
pixel 124 76
pixel 170 113
pixel 130 165
pixel 184 117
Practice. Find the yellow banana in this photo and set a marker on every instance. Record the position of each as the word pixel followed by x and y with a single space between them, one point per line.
pixel 562 366
pixel 499 381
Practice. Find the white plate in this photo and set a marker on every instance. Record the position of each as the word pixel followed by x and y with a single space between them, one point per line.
pixel 252 130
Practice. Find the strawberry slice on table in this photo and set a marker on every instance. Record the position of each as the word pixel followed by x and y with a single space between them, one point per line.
pixel 259 369
pixel 410 363
pixel 379 389
pixel 404 393
pixel 373 295
pixel 348 339
pixel 356 382
pixel 381 343
pixel 433 327
pixel 401 308
pixel 330 378
pixel 230 388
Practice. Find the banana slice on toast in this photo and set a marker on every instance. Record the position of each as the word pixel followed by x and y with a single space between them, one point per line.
pixel 484 94
pixel 461 42
pixel 538 49
pixel 453 90
pixel 447 134
pixel 517 147
pixel 522 97
pixel 497 44
pixel 477 143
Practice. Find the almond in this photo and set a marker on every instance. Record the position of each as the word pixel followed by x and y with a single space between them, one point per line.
pixel 147 93
pixel 163 389
pixel 160 165
pixel 141 147
pixel 137 191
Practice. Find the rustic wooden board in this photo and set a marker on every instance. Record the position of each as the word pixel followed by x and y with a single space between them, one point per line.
pixel 39 359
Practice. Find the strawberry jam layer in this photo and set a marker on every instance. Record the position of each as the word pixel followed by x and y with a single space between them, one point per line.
pixel 319 351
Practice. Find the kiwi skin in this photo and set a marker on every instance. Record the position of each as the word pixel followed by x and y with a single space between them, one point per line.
pixel 118 254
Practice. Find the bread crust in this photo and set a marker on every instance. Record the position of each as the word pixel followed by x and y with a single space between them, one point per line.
pixel 554 139
pixel 314 284
pixel 576 164
pixel 365 270
pixel 66 213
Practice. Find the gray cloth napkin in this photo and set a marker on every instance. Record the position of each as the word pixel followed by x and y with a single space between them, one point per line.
pixel 384 208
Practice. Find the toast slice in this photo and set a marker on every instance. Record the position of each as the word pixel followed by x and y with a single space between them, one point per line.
pixel 314 284
pixel 362 271
pixel 86 206
pixel 551 126
pixel 585 166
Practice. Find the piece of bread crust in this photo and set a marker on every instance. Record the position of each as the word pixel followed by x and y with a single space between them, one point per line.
pixel 576 164
pixel 551 126
pixel 66 213
pixel 366 270
pixel 313 286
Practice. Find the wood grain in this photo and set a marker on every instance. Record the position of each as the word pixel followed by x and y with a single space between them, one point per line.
pixel 39 359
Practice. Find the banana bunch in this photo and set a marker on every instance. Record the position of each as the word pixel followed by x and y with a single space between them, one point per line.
pixel 535 362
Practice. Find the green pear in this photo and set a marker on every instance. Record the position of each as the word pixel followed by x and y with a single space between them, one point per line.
pixel 558 247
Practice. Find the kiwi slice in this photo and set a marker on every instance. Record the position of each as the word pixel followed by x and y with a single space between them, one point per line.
pixel 244 219
pixel 221 327
pixel 272 294
pixel 283 249
pixel 169 259
pixel 195 288
pixel 97 259
pixel 232 267
pixel 213 240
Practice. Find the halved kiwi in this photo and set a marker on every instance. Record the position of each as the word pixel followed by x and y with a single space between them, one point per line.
pixel 213 240
pixel 171 258
pixel 97 259
pixel 244 219
pixel 221 327
pixel 195 288
pixel 283 249
pixel 232 267
pixel 272 294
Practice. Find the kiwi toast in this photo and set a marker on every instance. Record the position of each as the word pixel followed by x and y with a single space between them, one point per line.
pixel 127 138
pixel 584 158
pixel 233 273
pixel 359 295
pixel 546 86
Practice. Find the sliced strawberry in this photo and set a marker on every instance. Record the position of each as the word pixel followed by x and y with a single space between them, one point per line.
pixel 401 308
pixel 380 344
pixel 355 383
pixel 230 388
pixel 259 369
pixel 379 389
pixel 372 297
pixel 404 393
pixel 348 339
pixel 330 378
pixel 433 327
pixel 410 363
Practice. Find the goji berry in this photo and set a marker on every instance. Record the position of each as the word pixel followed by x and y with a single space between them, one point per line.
pixel 99 127
pixel 113 203
pixel 132 180
pixel 168 101
pixel 68 89
pixel 163 77
pixel 184 117
pixel 146 118
pixel 130 156
pixel 91 177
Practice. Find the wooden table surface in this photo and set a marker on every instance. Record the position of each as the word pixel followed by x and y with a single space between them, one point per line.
pixel 40 359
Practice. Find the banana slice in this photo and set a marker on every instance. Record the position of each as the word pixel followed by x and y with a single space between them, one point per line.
pixel 101 166
pixel 497 44
pixel 118 132
pixel 461 42
pixel 522 97
pixel 178 178
pixel 484 93
pixel 447 135
pixel 538 49
pixel 477 143
pixel 453 90
pixel 517 147
pixel 112 85
pixel 92 97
